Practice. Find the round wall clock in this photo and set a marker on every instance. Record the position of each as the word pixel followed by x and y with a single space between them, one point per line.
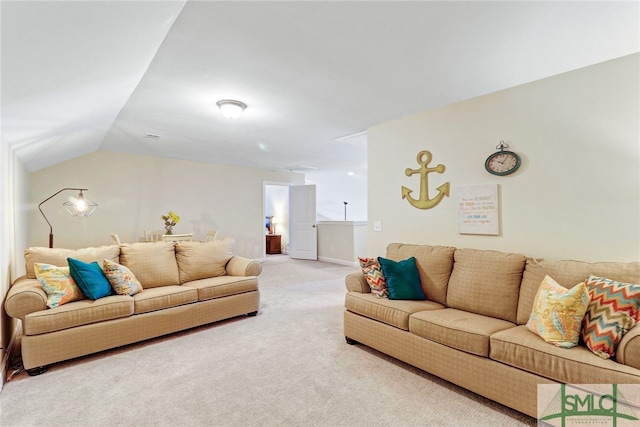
pixel 503 162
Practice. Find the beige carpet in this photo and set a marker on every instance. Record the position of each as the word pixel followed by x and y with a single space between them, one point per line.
pixel 288 366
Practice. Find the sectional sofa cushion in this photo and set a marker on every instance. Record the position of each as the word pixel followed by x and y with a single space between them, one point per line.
pixel 486 282
pixel 197 260
pixel 462 330
pixel 58 284
pixel 222 286
pixel 392 312
pixel 153 263
pixel 160 297
pixel 434 265
pixel 521 349
pixel 567 274
pixel 79 313
pixel 56 256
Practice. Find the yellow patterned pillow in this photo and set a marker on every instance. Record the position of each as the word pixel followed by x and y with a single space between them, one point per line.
pixel 57 283
pixel 122 280
pixel 558 312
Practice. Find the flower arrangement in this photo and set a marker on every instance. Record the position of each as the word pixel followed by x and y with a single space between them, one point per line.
pixel 170 220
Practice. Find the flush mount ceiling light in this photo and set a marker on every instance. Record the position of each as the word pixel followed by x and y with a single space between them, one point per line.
pixel 230 108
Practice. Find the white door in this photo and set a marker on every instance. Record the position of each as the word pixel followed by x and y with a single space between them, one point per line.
pixel 303 234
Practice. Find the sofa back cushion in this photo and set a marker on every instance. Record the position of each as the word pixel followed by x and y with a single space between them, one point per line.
pixel 486 282
pixel 58 256
pixel 154 264
pixel 434 266
pixel 567 274
pixel 198 260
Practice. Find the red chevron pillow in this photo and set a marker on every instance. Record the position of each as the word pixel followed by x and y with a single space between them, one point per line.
pixel 373 273
pixel 614 308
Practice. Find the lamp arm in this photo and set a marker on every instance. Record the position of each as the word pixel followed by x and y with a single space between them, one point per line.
pixel 45 217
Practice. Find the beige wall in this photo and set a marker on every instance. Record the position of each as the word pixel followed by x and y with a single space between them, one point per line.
pixel 577 194
pixel 132 191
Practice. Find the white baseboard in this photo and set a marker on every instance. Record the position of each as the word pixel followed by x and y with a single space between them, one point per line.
pixel 338 261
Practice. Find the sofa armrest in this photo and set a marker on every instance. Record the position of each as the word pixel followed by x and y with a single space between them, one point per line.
pixel 628 351
pixel 356 282
pixel 25 296
pixel 240 266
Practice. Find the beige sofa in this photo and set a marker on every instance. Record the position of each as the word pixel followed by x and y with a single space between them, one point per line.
pixel 185 284
pixel 471 331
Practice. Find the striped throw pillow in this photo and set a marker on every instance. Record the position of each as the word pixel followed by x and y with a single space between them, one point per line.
pixel 614 308
pixel 373 274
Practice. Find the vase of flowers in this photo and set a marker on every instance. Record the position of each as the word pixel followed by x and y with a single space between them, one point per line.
pixel 170 220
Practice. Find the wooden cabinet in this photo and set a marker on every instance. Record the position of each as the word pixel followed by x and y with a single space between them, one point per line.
pixel 273 243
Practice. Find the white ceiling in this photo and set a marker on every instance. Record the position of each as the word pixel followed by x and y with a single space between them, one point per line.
pixel 82 76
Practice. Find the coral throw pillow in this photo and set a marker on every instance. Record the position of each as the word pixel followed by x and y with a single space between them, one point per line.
pixel 57 284
pixel 614 308
pixel 122 280
pixel 373 274
pixel 558 312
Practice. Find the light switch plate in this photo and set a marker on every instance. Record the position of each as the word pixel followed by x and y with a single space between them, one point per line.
pixel 377 225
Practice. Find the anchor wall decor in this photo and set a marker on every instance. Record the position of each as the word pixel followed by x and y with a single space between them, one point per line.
pixel 424 202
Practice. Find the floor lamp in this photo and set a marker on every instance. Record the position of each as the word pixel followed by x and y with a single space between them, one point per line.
pixel 78 206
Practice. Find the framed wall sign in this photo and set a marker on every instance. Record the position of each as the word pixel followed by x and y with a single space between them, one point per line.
pixel 479 210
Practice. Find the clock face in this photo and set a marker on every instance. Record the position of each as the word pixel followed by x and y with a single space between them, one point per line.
pixel 502 163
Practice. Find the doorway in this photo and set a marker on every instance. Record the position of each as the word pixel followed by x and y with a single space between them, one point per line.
pixel 276 218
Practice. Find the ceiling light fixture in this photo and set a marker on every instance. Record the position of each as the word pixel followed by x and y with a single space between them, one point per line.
pixel 230 108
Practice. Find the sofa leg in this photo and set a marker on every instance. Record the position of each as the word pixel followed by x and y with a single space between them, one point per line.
pixel 351 341
pixel 252 314
pixel 37 371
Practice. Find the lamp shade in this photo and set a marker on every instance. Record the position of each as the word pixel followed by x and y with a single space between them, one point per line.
pixel 79 206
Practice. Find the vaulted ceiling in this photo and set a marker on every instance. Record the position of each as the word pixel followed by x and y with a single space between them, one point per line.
pixel 144 77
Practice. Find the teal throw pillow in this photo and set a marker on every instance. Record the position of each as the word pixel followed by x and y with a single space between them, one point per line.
pixel 89 278
pixel 403 279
